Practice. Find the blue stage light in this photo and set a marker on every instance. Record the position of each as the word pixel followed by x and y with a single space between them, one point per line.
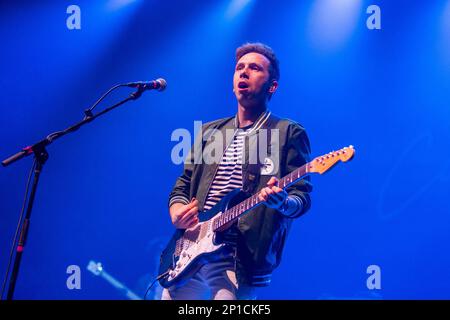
pixel 236 7
pixel 332 22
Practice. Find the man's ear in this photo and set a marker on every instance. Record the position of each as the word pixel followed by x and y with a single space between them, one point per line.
pixel 273 87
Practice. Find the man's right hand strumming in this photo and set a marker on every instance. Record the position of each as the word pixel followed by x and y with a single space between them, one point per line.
pixel 184 216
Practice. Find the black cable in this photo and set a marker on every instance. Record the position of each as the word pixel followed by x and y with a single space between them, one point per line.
pixel 153 283
pixel 149 287
pixel 19 223
pixel 88 112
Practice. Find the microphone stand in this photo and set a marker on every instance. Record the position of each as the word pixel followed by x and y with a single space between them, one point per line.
pixel 41 156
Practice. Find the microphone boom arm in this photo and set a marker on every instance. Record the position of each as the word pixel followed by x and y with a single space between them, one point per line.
pixel 89 117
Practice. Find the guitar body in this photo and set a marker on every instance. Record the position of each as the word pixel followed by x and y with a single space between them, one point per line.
pixel 190 249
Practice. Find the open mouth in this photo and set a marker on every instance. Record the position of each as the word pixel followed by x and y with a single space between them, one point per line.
pixel 242 85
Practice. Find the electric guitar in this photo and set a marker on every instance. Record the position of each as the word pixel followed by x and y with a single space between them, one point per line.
pixel 191 248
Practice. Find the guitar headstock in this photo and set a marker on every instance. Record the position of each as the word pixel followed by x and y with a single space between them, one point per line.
pixel 95 267
pixel 325 162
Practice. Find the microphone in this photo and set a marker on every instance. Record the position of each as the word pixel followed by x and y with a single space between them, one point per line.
pixel 158 84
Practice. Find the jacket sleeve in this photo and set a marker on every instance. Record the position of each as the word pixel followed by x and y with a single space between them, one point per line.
pixel 182 189
pixel 298 153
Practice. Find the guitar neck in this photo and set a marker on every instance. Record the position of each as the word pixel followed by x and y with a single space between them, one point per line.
pixel 232 214
pixel 318 165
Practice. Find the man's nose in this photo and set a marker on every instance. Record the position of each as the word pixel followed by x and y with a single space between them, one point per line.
pixel 243 74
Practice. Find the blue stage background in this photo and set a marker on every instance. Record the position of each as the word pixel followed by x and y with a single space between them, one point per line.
pixel 103 192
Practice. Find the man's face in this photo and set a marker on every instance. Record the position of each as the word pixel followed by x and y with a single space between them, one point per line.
pixel 251 79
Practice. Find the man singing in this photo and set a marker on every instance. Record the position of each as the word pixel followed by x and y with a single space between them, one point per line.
pixel 255 242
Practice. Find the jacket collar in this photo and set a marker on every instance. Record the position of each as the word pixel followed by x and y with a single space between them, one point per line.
pixel 260 122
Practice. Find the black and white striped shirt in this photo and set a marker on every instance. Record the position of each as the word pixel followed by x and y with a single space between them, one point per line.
pixel 229 172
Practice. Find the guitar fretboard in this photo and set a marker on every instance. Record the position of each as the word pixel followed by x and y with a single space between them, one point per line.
pixel 230 215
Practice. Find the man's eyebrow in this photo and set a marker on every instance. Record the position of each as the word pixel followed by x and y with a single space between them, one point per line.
pixel 256 64
pixel 252 64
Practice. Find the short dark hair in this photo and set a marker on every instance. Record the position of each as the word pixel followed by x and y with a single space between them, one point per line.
pixel 266 51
